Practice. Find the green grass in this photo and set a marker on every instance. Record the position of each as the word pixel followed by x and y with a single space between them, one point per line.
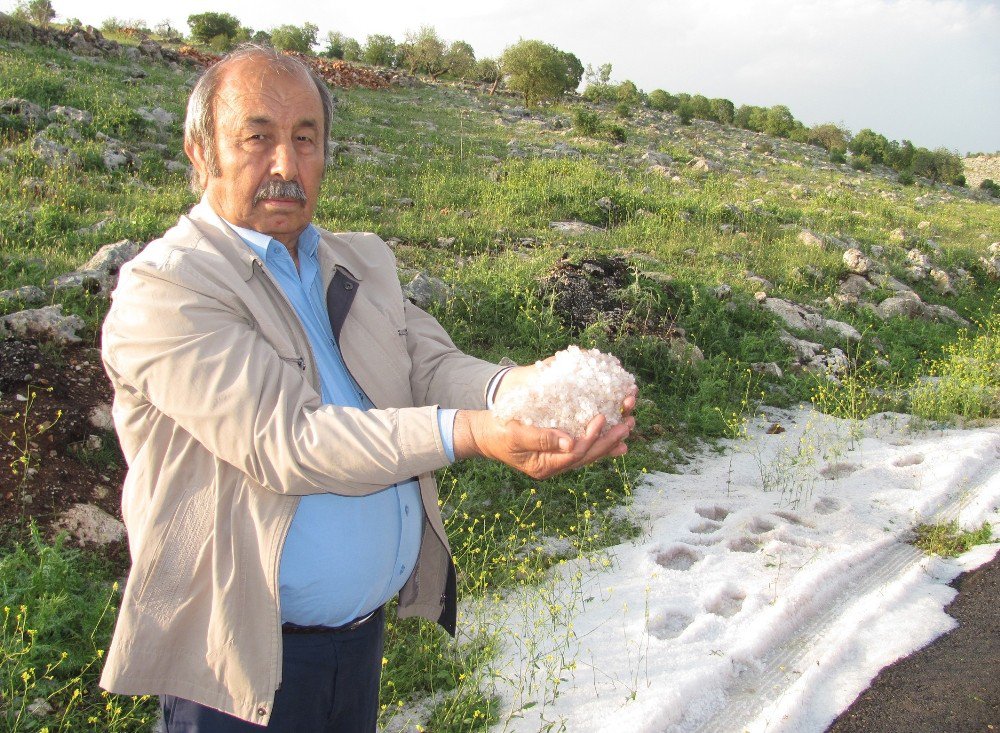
pixel 948 540
pixel 442 148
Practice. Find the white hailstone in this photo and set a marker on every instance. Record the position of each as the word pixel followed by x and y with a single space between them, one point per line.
pixel 569 391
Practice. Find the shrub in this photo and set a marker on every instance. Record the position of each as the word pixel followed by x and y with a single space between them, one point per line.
pixel 535 69
pixel 875 147
pixel 616 133
pixel 827 136
pixel 574 71
pixel 723 111
pixel 623 110
pixel 207 27
pixel 905 178
pixel 294 38
pixel 685 113
pixel 838 155
pixel 991 187
pixel 460 60
pixel 779 121
pixel 587 123
pixel 662 101
pixel 352 50
pixel 861 162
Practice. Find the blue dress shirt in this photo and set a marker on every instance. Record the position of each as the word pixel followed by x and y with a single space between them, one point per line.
pixel 344 556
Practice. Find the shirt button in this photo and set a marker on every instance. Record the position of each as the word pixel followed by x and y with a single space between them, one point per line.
pixel 348 286
pixel 402 569
pixel 406 510
pixel 262 711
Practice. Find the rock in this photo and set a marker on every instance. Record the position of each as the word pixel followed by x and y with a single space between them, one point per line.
pixel 654 158
pixel 574 227
pixel 100 417
pixel 923 225
pixel 918 259
pixel 703 165
pixel 424 291
pixel 883 280
pixel 69 114
pixel 116 156
pixel 157 115
pixel 856 262
pixel 89 523
pixel 900 305
pixel 40 707
pixel 723 292
pixel 94 443
pixel 991 266
pixel 810 239
pixel 53 153
pixel 855 285
pixel 897 235
pixel 684 351
pixel 445 242
pixel 941 282
pixel 405 203
pixel 27 111
pixel 662 170
pixel 47 324
pixel 176 166
pixel 605 204
pixel 944 313
pixel 806 319
pixel 99 275
pixel 26 294
pixel 768 369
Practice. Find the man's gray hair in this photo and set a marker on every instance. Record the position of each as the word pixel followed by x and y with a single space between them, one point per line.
pixel 199 123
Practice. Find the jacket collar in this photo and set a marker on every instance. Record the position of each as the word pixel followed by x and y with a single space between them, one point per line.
pixel 222 237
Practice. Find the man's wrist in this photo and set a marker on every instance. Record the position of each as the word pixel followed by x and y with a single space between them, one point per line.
pixel 464 434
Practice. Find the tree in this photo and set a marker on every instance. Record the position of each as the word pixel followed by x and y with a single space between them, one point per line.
pixel 489 72
pixel 535 69
pixel 380 50
pixel 779 121
pixel 870 144
pixel 701 107
pixel 828 136
pixel 424 51
pixel 460 60
pixel 335 45
pixel 662 101
pixel 723 111
pixel 294 38
pixel 600 75
pixel 205 27
pixel 39 12
pixel 574 71
pixel 352 50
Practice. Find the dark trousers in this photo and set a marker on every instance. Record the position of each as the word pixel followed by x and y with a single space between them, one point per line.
pixel 329 684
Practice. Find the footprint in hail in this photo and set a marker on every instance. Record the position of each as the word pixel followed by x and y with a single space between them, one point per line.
pixel 912 459
pixel 827 505
pixel 726 603
pixel 715 513
pixel 833 471
pixel 743 544
pixel 706 527
pixel 668 624
pixel 678 557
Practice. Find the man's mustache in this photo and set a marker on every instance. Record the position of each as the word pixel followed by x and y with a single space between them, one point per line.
pixel 277 189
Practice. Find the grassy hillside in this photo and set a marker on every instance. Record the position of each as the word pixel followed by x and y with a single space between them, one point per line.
pixel 466 186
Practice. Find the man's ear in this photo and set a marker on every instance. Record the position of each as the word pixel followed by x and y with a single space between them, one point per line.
pixel 196 154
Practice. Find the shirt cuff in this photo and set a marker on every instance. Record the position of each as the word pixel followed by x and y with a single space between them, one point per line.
pixel 446 424
pixel 491 388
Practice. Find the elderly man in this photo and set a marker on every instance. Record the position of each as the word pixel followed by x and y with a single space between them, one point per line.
pixel 281 408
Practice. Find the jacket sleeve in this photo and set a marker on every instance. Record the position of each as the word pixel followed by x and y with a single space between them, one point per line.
pixel 181 342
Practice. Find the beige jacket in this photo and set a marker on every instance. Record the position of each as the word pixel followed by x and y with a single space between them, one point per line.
pixel 218 411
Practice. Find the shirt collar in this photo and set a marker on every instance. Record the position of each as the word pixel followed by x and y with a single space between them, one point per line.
pixel 262 244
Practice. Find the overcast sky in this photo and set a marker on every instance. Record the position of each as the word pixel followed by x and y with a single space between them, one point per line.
pixel 923 70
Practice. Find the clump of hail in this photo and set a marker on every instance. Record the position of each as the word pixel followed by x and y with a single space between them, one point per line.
pixel 570 390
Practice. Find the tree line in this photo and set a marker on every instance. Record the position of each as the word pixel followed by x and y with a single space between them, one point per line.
pixel 540 73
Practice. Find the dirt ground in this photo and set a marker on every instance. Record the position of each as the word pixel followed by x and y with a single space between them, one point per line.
pixel 949 686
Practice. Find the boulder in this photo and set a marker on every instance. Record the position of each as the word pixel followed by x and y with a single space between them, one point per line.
pixel 855 285
pixel 99 275
pixel 574 227
pixel 87 523
pixel 856 262
pixel 941 282
pixel 157 115
pixel 46 324
pixel 807 319
pixel 653 158
pixel 900 305
pixel 703 165
pixel 26 294
pixel 60 113
pixel 810 239
pixel 424 291
pixel 29 112
pixel 53 153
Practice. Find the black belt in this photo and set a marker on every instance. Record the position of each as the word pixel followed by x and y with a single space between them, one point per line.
pixel 289 628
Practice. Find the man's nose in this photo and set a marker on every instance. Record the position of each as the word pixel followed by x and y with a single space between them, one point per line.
pixel 285 161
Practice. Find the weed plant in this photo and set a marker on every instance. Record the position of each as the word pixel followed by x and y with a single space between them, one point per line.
pixel 948 540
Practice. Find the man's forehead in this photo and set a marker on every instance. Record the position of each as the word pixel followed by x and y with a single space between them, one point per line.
pixel 256 83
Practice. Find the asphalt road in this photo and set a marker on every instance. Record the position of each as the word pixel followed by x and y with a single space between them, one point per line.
pixel 950 686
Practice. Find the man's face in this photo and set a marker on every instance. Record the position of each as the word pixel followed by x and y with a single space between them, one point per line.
pixel 269 133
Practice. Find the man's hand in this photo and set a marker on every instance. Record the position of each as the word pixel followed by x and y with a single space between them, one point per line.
pixel 539 452
pixel 520 376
